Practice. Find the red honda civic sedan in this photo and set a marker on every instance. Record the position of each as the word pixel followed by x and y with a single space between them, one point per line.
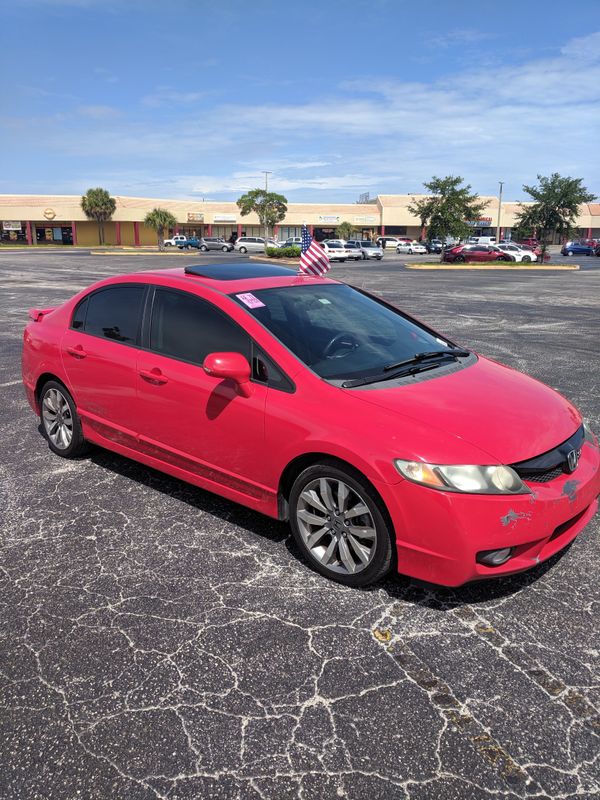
pixel 384 444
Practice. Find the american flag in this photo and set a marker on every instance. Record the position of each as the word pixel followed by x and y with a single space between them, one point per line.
pixel 313 259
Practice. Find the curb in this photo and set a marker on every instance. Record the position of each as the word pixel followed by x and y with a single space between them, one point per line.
pixel 175 252
pixel 266 260
pixel 545 267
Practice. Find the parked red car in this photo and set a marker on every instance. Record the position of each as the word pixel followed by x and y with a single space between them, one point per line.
pixel 475 252
pixel 384 444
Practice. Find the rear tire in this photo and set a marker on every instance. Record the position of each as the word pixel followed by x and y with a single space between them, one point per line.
pixel 60 421
pixel 168 244
pixel 459 260
pixel 352 548
pixel 243 249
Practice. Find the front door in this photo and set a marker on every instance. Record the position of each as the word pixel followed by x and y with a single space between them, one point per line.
pixel 187 418
pixel 99 353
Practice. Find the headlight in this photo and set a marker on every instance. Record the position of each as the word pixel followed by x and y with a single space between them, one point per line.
pixel 588 435
pixel 468 478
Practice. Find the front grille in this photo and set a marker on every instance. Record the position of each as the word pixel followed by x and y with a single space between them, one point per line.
pixel 548 466
pixel 540 476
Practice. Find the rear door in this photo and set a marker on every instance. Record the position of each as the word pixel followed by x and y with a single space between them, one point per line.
pixel 99 353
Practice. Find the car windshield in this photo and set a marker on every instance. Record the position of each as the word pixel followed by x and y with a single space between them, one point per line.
pixel 337 331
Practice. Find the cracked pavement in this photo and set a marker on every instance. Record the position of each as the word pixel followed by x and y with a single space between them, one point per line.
pixel 157 641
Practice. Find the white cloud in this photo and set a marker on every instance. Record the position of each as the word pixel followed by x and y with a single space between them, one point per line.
pixel 99 112
pixel 459 36
pixel 507 123
pixel 167 96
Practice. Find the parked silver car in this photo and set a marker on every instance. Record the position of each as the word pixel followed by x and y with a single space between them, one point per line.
pixel 250 244
pixel 215 243
pixel 368 249
pixel 354 250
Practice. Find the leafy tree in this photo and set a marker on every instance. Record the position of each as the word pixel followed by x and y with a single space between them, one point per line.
pixel 97 204
pixel 269 207
pixel 555 207
pixel 159 219
pixel 346 230
pixel 446 210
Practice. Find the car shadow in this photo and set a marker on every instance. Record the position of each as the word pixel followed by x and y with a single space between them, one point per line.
pixel 198 498
pixel 396 586
pixel 447 598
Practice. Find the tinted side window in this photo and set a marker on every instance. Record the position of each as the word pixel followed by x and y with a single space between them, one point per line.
pixel 115 313
pixel 188 328
pixel 79 315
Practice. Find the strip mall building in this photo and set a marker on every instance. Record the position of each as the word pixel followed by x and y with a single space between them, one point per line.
pixel 58 219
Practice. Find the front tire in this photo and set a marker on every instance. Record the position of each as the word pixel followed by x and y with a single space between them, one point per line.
pixel 225 249
pixel 526 259
pixel 569 252
pixel 340 526
pixel 60 421
pixel 204 248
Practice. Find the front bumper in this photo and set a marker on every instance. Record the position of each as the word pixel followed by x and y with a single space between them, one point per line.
pixel 438 534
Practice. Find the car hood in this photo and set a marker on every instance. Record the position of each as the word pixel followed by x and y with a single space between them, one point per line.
pixel 498 410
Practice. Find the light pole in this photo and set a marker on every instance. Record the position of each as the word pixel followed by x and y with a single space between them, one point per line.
pixel 266 173
pixel 499 212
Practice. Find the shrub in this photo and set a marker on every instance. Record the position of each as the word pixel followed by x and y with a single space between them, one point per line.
pixel 283 252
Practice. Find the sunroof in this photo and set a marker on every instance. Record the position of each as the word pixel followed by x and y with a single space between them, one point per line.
pixel 235 272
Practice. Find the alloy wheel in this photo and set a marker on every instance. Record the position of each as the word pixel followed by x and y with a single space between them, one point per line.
pixel 57 419
pixel 336 526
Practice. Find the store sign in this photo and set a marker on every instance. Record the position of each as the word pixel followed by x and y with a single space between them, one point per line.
pixel 483 222
pixel 224 218
pixel 328 218
pixel 11 225
pixel 49 213
pixel 368 219
pixel 195 216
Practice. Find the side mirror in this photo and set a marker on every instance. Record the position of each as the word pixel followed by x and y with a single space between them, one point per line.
pixel 229 365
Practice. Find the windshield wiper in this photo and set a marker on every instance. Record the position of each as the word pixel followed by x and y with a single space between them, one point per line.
pixel 455 352
pixel 411 366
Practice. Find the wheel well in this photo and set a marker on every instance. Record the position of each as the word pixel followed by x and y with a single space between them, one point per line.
pixel 44 378
pixel 300 463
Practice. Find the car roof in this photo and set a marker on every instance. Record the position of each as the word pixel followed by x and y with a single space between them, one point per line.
pixel 231 277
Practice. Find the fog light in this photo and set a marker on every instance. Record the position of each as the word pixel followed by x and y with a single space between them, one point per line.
pixel 494 558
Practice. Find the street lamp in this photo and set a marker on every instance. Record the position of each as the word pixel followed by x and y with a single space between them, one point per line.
pixel 266 173
pixel 499 212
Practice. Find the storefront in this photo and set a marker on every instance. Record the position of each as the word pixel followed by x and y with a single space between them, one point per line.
pixel 54 232
pixel 13 232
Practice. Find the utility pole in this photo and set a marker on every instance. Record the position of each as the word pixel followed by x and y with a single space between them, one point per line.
pixel 499 212
pixel 266 173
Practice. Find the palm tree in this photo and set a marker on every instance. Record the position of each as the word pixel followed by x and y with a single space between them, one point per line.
pixel 160 219
pixel 99 205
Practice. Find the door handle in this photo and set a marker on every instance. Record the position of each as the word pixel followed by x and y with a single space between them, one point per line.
pixel 154 376
pixel 76 352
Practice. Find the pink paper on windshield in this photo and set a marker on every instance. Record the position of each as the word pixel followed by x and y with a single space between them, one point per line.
pixel 250 300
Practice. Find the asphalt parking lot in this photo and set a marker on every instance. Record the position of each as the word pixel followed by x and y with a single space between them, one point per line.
pixel 157 641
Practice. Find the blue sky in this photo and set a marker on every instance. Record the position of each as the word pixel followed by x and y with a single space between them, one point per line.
pixel 194 99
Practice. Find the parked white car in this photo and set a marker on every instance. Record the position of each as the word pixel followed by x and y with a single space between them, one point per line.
pixel 176 241
pixel 336 251
pixel 411 248
pixel 518 253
